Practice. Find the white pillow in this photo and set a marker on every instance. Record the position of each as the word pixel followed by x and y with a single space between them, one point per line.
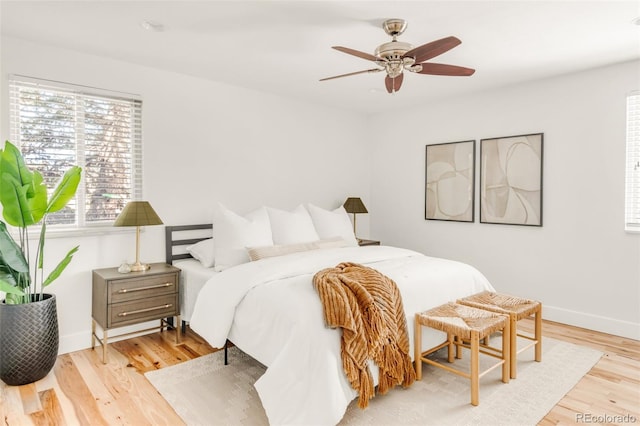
pixel 232 233
pixel 329 224
pixel 291 227
pixel 203 251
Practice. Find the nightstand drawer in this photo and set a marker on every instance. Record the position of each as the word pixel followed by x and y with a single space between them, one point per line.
pixel 143 310
pixel 134 289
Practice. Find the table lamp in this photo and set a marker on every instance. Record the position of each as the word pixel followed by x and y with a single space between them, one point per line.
pixel 138 213
pixel 354 205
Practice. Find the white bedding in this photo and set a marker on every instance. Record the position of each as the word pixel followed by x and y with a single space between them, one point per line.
pixel 271 311
pixel 193 277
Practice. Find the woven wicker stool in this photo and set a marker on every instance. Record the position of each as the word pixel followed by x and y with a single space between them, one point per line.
pixel 465 327
pixel 517 308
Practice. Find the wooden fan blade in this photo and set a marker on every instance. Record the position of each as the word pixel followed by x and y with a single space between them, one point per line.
pixel 444 69
pixel 393 84
pixel 433 49
pixel 357 53
pixel 352 73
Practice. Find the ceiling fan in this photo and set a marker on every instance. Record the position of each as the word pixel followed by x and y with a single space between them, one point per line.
pixel 396 56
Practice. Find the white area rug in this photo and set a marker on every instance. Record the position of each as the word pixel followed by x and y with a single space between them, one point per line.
pixel 206 392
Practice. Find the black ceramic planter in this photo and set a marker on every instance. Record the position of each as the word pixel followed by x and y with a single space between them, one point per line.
pixel 28 340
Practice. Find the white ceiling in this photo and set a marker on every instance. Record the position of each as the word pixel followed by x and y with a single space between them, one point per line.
pixel 284 47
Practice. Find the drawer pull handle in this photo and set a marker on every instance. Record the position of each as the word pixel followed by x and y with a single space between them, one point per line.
pixel 140 311
pixel 149 287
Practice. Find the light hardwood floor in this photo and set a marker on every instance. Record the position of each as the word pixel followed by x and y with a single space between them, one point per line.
pixel 82 391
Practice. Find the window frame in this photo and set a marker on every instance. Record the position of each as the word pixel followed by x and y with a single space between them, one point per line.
pixel 135 148
pixel 632 163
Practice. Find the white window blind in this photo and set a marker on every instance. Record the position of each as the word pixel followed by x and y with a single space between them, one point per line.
pixel 57 125
pixel 632 192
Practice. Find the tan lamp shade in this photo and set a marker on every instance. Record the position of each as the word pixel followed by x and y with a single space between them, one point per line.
pixel 138 213
pixel 354 205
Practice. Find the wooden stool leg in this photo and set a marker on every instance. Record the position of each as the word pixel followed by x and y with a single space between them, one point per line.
pixel 513 328
pixel 458 345
pixel 417 348
pixel 538 334
pixel 507 352
pixel 450 348
pixel 475 367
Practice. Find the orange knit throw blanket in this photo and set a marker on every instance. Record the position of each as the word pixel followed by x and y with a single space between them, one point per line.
pixel 367 305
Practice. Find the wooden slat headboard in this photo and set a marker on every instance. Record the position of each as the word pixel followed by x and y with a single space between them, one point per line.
pixel 173 240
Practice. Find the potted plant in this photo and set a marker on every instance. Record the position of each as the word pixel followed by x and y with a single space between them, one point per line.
pixel 28 316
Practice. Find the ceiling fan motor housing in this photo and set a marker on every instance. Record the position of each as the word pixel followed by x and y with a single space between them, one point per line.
pixel 391 57
pixel 393 50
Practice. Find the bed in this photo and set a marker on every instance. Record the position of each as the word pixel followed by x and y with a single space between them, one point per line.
pixel 270 310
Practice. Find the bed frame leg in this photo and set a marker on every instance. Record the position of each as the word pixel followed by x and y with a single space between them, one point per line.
pixel 184 327
pixel 226 346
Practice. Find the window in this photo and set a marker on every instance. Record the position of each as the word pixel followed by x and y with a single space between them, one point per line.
pixel 632 193
pixel 57 125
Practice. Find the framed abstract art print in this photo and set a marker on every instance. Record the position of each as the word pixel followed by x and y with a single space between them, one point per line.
pixel 511 180
pixel 449 181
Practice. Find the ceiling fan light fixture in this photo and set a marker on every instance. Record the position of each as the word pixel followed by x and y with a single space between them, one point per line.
pixel 394 69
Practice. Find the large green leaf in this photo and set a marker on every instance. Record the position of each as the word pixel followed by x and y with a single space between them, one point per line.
pixel 16 299
pixel 65 190
pixel 12 162
pixel 23 194
pixel 10 252
pixel 61 266
pixel 37 197
pixel 6 274
pixel 13 198
pixel 10 289
pixel 15 294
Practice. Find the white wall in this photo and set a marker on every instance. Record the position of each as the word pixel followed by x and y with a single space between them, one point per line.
pixel 580 264
pixel 204 142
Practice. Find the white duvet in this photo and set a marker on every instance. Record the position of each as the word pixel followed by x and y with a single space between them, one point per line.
pixel 271 311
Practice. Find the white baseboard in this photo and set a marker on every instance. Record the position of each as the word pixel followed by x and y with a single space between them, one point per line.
pixel 607 325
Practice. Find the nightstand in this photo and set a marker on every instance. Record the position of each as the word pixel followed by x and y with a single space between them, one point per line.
pixel 133 298
pixel 368 242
